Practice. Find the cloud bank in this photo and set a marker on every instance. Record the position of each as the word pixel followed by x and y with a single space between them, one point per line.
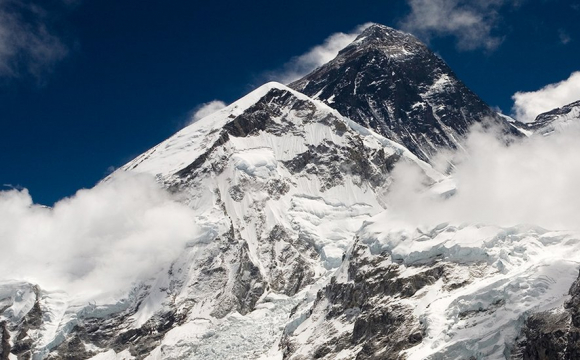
pixel 27 43
pixel 532 181
pixel 471 22
pixel 319 55
pixel 99 241
pixel 206 109
pixel 528 105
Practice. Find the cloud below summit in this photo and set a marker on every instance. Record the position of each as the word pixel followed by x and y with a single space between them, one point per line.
pixel 532 181
pixel 98 241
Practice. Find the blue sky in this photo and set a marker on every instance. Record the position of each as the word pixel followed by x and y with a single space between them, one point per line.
pixel 87 85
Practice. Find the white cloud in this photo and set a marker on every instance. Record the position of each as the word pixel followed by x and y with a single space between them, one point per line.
pixel 100 240
pixel 319 55
pixel 528 105
pixel 470 22
pixel 206 109
pixel 532 181
pixel 27 44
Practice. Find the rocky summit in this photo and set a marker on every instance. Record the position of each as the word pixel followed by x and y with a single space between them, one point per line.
pixel 298 257
pixel 389 81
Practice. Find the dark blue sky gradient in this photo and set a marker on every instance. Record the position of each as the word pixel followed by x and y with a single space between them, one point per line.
pixel 136 69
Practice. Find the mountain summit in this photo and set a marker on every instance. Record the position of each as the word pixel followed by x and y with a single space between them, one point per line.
pixel 389 81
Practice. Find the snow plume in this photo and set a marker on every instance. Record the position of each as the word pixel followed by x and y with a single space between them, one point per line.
pixel 206 109
pixel 98 241
pixel 27 43
pixel 531 181
pixel 528 105
pixel 319 55
pixel 470 22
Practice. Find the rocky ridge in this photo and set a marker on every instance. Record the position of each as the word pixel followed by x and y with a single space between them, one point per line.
pixel 554 120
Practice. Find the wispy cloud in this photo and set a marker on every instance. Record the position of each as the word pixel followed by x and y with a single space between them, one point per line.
pixel 471 22
pixel 528 105
pixel 301 65
pixel 100 240
pixel 27 43
pixel 564 36
pixel 206 109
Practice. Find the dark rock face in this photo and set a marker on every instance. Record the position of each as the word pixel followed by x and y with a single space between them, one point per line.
pixel 290 270
pixel 389 81
pixel 259 116
pixel 72 349
pixel 110 333
pixel 4 341
pixel 331 163
pixel 381 326
pixel 552 335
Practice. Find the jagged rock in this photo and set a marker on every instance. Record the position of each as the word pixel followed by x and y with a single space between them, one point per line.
pixel 4 341
pixel 72 349
pixel 368 300
pixel 554 334
pixel 555 120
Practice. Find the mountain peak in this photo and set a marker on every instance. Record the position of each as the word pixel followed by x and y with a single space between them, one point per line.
pixel 389 81
pixel 392 42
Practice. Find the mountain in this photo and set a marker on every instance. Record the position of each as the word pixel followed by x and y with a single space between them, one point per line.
pixel 298 256
pixel 389 81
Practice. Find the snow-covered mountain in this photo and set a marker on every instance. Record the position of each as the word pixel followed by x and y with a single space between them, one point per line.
pixel 280 184
pixel 298 256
